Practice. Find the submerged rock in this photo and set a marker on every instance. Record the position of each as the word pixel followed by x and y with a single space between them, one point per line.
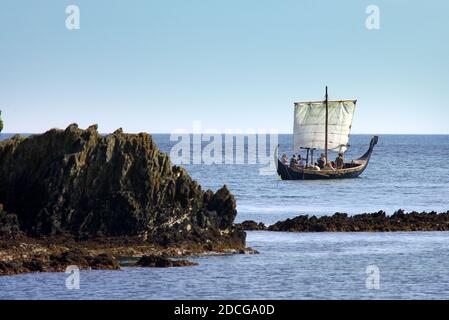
pixel 162 262
pixel 82 183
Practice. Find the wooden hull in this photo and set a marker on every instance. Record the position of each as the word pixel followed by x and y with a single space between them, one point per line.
pixel 351 170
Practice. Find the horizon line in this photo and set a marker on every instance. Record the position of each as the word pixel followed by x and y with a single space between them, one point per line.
pixel 224 133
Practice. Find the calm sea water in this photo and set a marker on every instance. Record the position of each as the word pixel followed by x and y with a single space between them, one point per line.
pixel 406 172
pixel 290 266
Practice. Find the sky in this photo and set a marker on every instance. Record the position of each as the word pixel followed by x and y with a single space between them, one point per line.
pixel 158 66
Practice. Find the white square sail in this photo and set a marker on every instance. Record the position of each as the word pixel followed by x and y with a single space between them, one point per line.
pixel 309 129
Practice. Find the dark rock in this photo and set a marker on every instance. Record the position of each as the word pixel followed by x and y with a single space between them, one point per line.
pixel 9 225
pixel 162 262
pixel 378 221
pixel 76 257
pixel 104 261
pixel 78 182
pixel 34 265
pixel 83 259
pixel 58 262
pixel 9 268
pixel 248 251
pixel 250 225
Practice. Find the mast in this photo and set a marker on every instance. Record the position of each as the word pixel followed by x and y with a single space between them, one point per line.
pixel 327 119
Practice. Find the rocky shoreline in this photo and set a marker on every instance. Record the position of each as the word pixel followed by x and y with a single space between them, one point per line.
pixel 55 254
pixel 366 222
pixel 74 196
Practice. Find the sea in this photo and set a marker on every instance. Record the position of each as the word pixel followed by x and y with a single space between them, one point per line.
pixel 409 172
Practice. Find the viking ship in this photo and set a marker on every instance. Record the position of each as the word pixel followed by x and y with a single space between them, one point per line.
pixel 323 125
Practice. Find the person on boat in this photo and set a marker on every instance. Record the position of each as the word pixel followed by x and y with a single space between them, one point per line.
pixel 293 161
pixel 340 161
pixel 285 159
pixel 321 161
pixel 329 166
pixel 313 167
pixel 301 162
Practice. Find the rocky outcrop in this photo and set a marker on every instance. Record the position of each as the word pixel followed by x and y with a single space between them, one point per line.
pixel 379 221
pixel 58 262
pixel 79 182
pixel 162 262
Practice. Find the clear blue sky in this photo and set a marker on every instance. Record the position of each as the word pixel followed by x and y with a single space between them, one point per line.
pixel 159 65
